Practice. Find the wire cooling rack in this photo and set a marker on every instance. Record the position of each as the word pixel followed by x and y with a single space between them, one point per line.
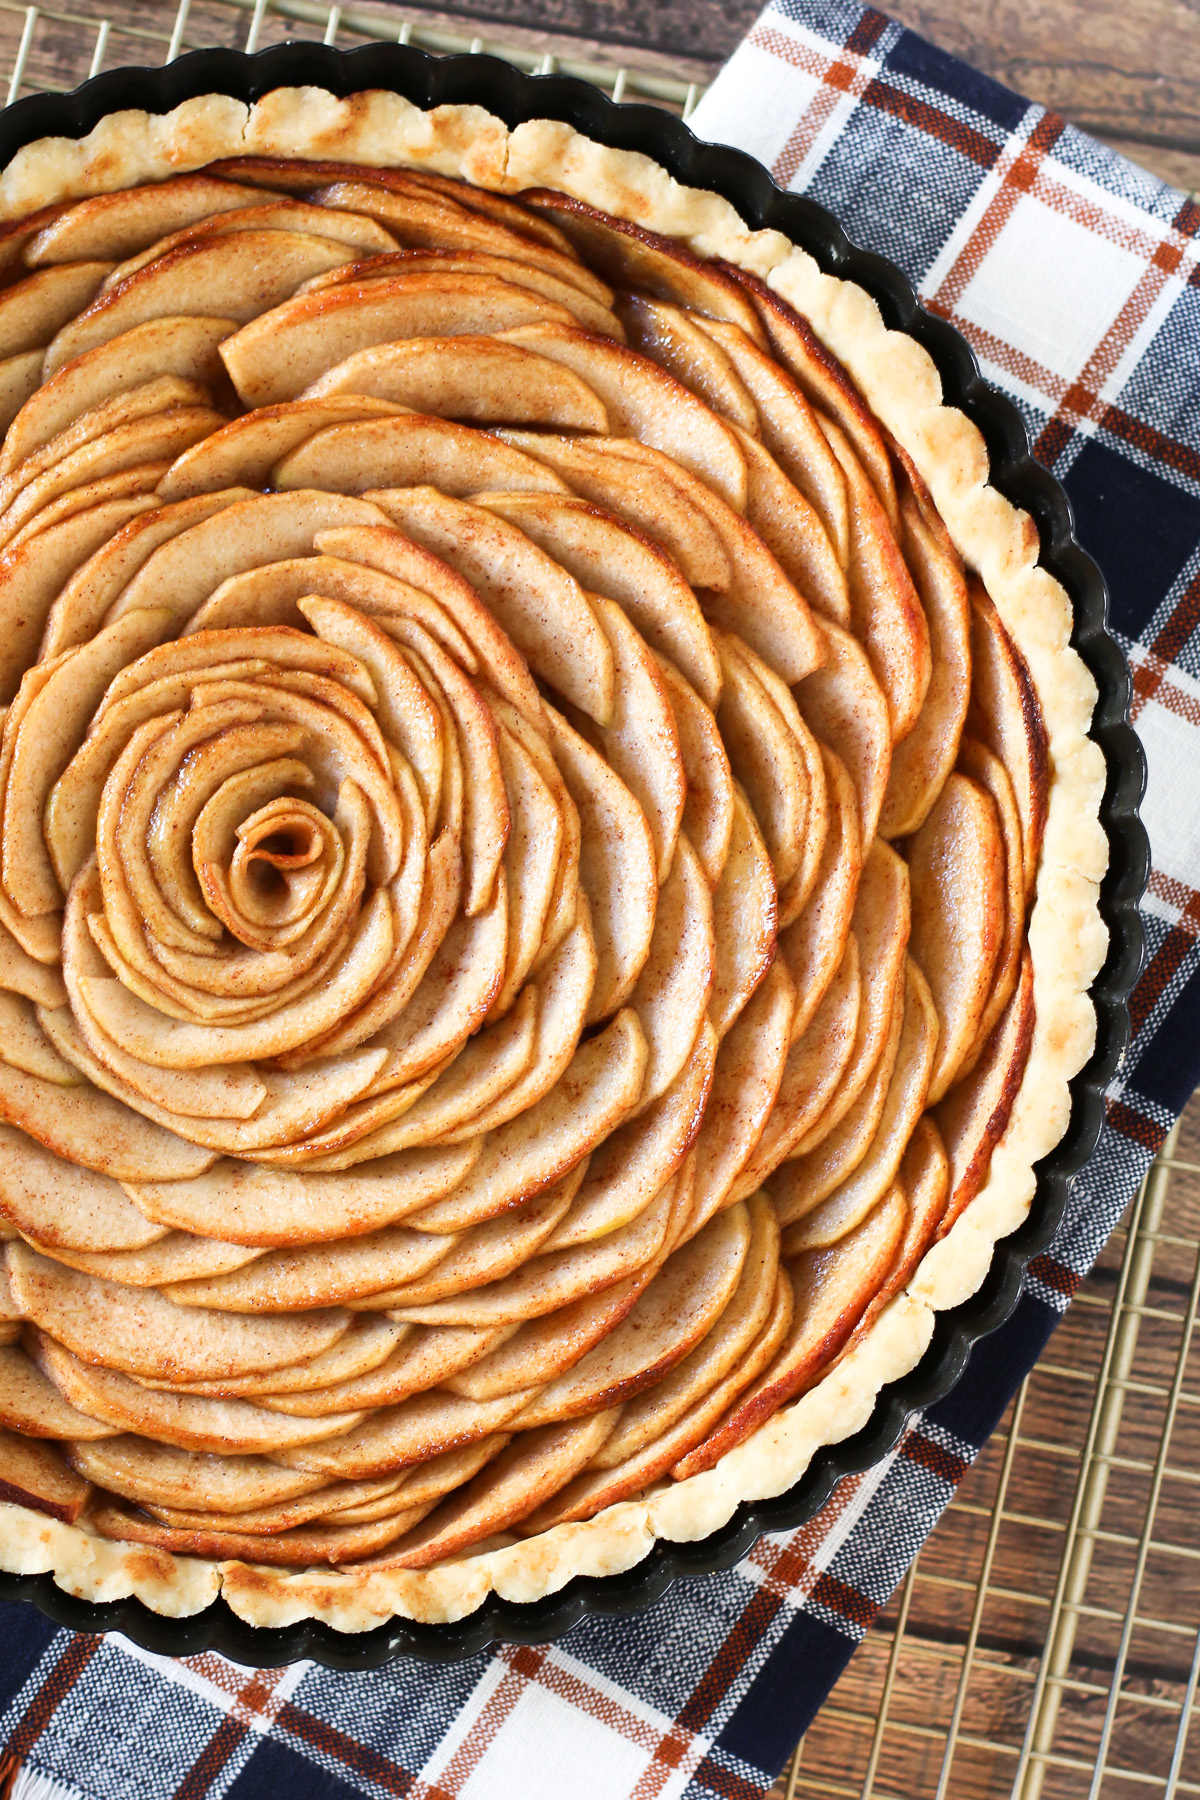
pixel 1045 1645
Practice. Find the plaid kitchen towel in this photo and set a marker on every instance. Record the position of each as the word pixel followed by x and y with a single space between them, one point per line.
pixel 1077 278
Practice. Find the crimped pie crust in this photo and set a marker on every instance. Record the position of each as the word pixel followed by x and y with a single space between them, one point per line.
pixel 1066 936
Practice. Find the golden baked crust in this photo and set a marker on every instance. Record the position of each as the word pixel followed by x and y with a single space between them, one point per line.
pixel 1065 936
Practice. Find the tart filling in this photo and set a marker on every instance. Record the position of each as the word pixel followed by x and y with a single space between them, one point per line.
pixel 548 855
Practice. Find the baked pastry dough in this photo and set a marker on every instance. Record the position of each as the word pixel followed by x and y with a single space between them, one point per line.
pixel 550 853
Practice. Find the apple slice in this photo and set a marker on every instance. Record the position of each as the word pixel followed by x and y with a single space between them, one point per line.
pixel 35 1475
pixel 789 431
pixel 541 607
pixel 793 533
pixel 334 1500
pixel 236 277
pixel 293 1283
pixel 22 974
pixel 64 1206
pixel 557 1278
pixel 609 558
pixel 681 1304
pixel 598 1091
pixel 33 309
pixel 185 348
pixel 629 1170
pixel 176 1256
pixel 119 224
pixel 1006 716
pixel 160 1475
pixel 87 1127
pixel 708 809
pixel 642 495
pixel 398 1437
pixel 477 380
pixel 845 706
pixel 188 1421
pixel 744 917
pixel 633 257
pixel 850 1202
pixel 537 841
pixel 357 233
pixel 765 755
pixel 406 451
pixel 833 1289
pixel 19 378
pixel 813 944
pixel 426 1357
pixel 33 574
pixel 617 866
pixel 672 994
pixel 922 760
pixel 529 1355
pixel 957 869
pixel 673 339
pixel 31 1405
pixel 334 1542
pixel 251 1203
pixel 277 356
pixel 973 1116
pixel 740 1324
pixel 990 774
pixel 490 1066
pixel 925 1178
pixel 646 403
pixel 749 1069
pixel 78 612
pixel 825 383
pixel 25 1045
pixel 144 1333
pixel 244 452
pixel 815 1065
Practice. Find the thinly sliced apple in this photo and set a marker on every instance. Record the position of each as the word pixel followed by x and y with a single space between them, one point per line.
pixel 617 866
pixel 925 1178
pixel 825 383
pixel 569 297
pixel 632 257
pixel 532 1354
pixel 850 1202
pixel 749 1070
pixel 598 1091
pixel 922 761
pixel 744 917
pixel 188 1421
pixel 646 403
pixel 973 1116
pixel 678 1308
pixel 31 1404
pixel 235 277
pixel 160 1475
pixel 119 224
pixel 631 1167
pixel 708 810
pixel 814 943
pixel 477 380
pixel 490 1066
pixel 672 994
pixel 557 1278
pixel 143 1333
pixel 275 358
pixel 244 452
pixel 766 757
pixel 34 1475
pixel 137 483
pixel 19 378
pixel 956 868
pixel 64 1206
pixel 977 762
pixel 409 450
pixel 673 339
pixel 1006 716
pixel 33 574
pixel 295 1282
pixel 790 432
pixel 86 596
pixel 335 1500
pixel 176 1256
pixel 845 706
pixel 792 531
pixel 425 1357
pixel 536 842
pixel 397 1437
pixel 33 309
pixel 334 1542
pixel 815 1065
pixel 25 1045
pixel 640 493
pixel 357 233
pixel 22 974
pixel 833 1289
pixel 540 606
pixel 87 1127
pixel 249 1203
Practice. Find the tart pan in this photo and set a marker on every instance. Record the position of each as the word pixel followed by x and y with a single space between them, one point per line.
pixel 513 96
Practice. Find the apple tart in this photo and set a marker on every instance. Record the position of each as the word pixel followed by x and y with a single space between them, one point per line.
pixel 548 854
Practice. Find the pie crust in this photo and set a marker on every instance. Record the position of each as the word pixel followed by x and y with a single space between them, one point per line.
pixel 1065 935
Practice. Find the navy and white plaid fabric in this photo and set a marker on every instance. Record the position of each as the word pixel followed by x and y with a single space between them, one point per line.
pixel 1077 278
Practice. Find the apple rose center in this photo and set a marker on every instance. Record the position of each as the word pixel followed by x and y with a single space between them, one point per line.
pixel 517 832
